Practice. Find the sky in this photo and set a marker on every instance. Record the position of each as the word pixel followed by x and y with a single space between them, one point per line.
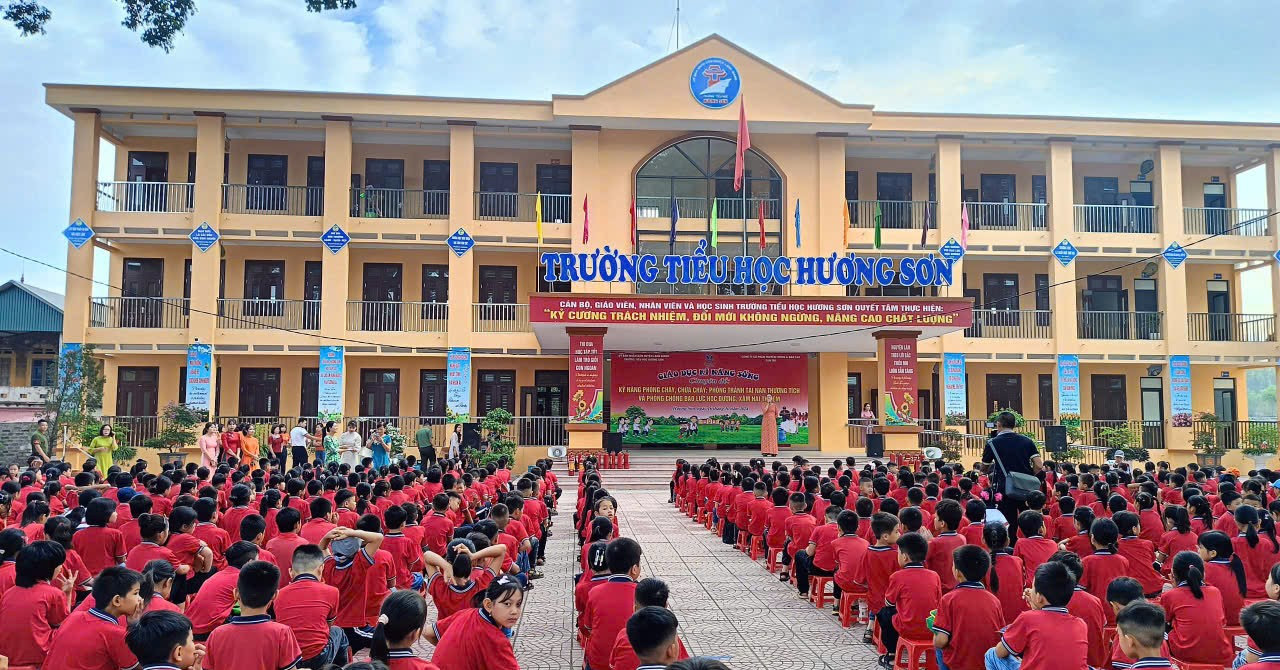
pixel 1152 59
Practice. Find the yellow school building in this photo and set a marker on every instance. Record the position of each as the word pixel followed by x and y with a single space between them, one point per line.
pixel 1063 220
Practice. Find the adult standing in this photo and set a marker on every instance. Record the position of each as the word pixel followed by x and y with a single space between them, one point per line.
pixel 40 441
pixel 275 441
pixel 455 441
pixel 231 444
pixel 1018 453
pixel 349 445
pixel 769 428
pixel 380 445
pixel 426 452
pixel 101 448
pixel 210 445
pixel 332 447
pixel 298 438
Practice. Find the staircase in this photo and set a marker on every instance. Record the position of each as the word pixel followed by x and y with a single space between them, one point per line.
pixel 651 468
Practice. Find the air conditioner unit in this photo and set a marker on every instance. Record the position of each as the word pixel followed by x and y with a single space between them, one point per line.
pixel 556 452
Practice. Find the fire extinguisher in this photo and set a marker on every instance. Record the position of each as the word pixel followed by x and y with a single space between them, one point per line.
pixel 613 461
pixel 626 460
pixel 608 460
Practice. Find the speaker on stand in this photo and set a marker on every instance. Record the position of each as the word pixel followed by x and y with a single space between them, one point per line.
pixel 875 445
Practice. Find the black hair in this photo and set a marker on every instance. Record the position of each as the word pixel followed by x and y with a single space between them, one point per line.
pixel 1221 545
pixel 499 589
pixel 1143 621
pixel 240 553
pixel 287 520
pixel 320 508
pixel 596 561
pixel 650 629
pixel 257 583
pixel 1124 590
pixel 848 522
pixel 153 573
pixel 1030 523
pixel 1189 568
pixel 1106 533
pixel 622 555
pixel 12 540
pixel 1127 523
pixel 98 512
pixel 890 506
pixel 864 507
pixel 205 509
pixel 1055 583
pixel 914 546
pixel 181 516
pixel 1249 517
pixel 883 523
pixel 38 562
pixel 306 558
pixel 1071 561
pixel 997 538
pixel 1066 505
pixel 405 612
pixel 912 519
pixel 1083 517
pixel 252 526
pixel 652 592
pixel 1262 622
pixel 153 638
pixel 950 512
pixel 115 581
pixel 1178 517
pixel 971 561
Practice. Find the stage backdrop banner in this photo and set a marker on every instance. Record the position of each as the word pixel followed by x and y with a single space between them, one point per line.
pixel 708 398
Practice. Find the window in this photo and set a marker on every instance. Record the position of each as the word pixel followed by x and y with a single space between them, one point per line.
pixel 1042 301
pixel 435 283
pixel 495 389
pixel 851 185
pixel 263 280
pixel 435 187
pixel 6 369
pixel 267 177
pixel 384 187
pixel 855 395
pixel 431 397
pixel 497 284
pixel 555 183
pixel 498 181
pixel 1001 291
pixel 551 392
pixel 891 291
pixel 44 371
pixel 1046 397
pixel 1004 392
pixel 553 286
pixel 182 385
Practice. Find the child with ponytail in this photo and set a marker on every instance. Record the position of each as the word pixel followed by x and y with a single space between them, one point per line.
pixel 1152 524
pixel 1105 563
pixel 464 570
pixel 1007 577
pixel 1177 537
pixel 1140 553
pixel 12 541
pixel 1223 569
pixel 1195 613
pixel 1079 543
pixel 157 585
pixel 1201 514
pixel 1257 548
pixel 479 638
pixel 404 613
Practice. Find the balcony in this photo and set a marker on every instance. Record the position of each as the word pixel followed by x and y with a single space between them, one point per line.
pixel 1024 216
pixel 145 196
pixel 1226 221
pixel 286 200
pixel 406 317
pixel 269 314
pixel 500 318
pixel 1011 324
pixel 1202 327
pixel 1095 432
pixel 1115 219
pixel 1120 325
pixel 1230 434
pixel 556 208
pixel 116 312
pixel 655 207
pixel 398 203
pixel 893 214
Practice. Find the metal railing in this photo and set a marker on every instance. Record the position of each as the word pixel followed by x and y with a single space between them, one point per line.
pixel 117 312
pixel 1116 219
pixel 894 214
pixel 410 317
pixel 1011 324
pixel 145 196
pixel 1229 434
pixel 1150 433
pixel 525 431
pixel 700 208
pixel 99 313
pixel 1007 215
pixel 500 318
pixel 399 203
pixel 1204 327
pixel 133 431
pixel 556 208
pixel 1226 221
pixel 1119 325
pixel 252 314
pixel 260 199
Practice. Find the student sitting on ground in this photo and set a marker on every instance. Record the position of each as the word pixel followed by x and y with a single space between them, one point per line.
pixel 348 568
pixel 651 593
pixel 1105 563
pixel 913 592
pixel 1033 547
pixel 1047 637
pixel 163 640
pixel 1140 635
pixel 309 607
pixel 94 638
pixel 478 638
pixel 404 613
pixel 252 641
pixel 1121 593
pixel 39 601
pixel 212 604
pixel 1262 622
pixel 969 617
pixel 1196 618
pixel 1086 607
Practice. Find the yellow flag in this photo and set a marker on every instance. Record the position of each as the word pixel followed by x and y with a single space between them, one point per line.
pixel 847 224
pixel 537 214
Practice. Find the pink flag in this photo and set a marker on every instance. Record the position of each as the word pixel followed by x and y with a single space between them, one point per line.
pixel 760 215
pixel 635 235
pixel 586 221
pixel 964 225
pixel 744 143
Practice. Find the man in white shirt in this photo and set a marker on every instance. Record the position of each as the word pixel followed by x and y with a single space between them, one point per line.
pixel 298 439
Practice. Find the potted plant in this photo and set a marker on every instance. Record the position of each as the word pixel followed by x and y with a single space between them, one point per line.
pixel 951 443
pixel 495 426
pixel 1204 440
pixel 1020 424
pixel 179 430
pixel 1259 443
pixel 1124 438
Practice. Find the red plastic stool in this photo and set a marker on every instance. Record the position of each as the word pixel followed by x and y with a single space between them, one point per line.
pixel 757 547
pixel 847 601
pixel 1183 665
pixel 720 527
pixel 1234 632
pixel 708 521
pixel 875 637
pixel 915 649
pixel 818 590
pixel 773 558
pixel 741 543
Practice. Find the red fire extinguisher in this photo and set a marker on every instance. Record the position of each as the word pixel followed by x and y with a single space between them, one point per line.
pixel 626 460
pixel 608 460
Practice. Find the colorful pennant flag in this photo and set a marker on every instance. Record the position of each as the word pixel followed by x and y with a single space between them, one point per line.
pixel 675 218
pixel 964 225
pixel 744 143
pixel 877 224
pixel 537 214
pixel 586 221
pixel 797 223
pixel 715 224
pixel 760 218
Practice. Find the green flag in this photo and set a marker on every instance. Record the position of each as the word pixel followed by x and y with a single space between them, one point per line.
pixel 877 224
pixel 715 225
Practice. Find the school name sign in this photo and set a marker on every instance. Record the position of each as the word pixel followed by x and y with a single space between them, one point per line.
pixel 750 311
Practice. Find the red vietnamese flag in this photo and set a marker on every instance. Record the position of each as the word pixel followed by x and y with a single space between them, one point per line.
pixel 744 143
pixel 586 221
pixel 635 239
pixel 760 218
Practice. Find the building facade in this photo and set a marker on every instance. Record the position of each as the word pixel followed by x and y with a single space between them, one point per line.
pixel 272 171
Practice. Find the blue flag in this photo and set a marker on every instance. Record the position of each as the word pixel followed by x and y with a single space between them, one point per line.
pixel 675 218
pixel 797 223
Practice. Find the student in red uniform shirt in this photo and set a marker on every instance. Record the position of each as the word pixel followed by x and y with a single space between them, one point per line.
pixel 189 549
pixel 404 613
pixel 212 604
pixel 1177 537
pixel 610 604
pixel 1262 622
pixel 347 568
pixel 975 513
pixel 1256 546
pixel 100 546
pixel 1047 637
pixel 12 540
pixel 946 520
pixel 381 577
pixel 819 558
pixel 1224 571
pixel 138 505
pixel 913 592
pixel 1086 607
pixel 33 518
pixel 758 512
pixel 1105 563
pixel 207 531
pixel 282 546
pixel 969 617
pixel 1152 524
pixel 1007 578
pixel 322 521
pixel 1033 548
pixel 598 571
pixel 93 639
pixel 1195 613
pixel 437 528
pixel 252 641
pixel 1140 635
pixel 1080 544
pixel 652 639
pixel 455 579
pixel 154 530
pixel 1140 553
pixel 1064 527
pixel 39 602
pixel 309 607
pixel 848 552
pixel 163 641
pixel 651 594
pixel 478 638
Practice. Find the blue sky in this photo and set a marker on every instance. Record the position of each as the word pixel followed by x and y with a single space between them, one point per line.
pixel 1149 59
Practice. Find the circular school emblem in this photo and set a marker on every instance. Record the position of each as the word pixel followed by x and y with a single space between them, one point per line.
pixel 715 83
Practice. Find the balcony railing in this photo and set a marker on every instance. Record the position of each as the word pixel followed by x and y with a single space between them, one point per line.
pixel 407 317
pixel 1115 219
pixel 894 214
pixel 1120 325
pixel 398 203
pixel 145 196
pixel 1229 434
pixel 1007 216
pixel 1011 324
pixel 700 208
pixel 133 431
pixel 1150 433
pixel 259 199
pixel 249 314
pixel 116 312
pixel 500 318
pixel 1202 327
pixel 523 207
pixel 1226 221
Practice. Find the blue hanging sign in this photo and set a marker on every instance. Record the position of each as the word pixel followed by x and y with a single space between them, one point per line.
pixel 204 237
pixel 1065 252
pixel 457 398
pixel 1276 256
pixel 199 376
pixel 78 233
pixel 1068 387
pixel 952 250
pixel 335 239
pixel 1180 391
pixel 715 83
pixel 461 242
pixel 956 394
pixel 1175 254
pixel 332 369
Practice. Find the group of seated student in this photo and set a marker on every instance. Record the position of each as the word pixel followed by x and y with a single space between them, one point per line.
pixel 1145 548
pixel 246 567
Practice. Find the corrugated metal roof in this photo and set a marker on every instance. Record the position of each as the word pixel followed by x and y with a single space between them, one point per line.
pixel 27 309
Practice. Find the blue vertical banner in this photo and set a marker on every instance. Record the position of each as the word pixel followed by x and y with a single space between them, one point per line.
pixel 332 370
pixel 956 392
pixel 1180 391
pixel 458 385
pixel 199 376
pixel 1069 388
pixel 69 367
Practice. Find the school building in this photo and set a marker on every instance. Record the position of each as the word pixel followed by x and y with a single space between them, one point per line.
pixel 402 228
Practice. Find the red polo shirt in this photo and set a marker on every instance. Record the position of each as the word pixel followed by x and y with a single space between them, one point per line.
pixel 7 576
pixel 915 591
pixel 252 643
pixel 940 560
pixel 878 565
pixel 185 546
pixel 212 603
pixel 100 548
pixel 449 597
pixel 281 548
pixel 608 607
pixel 146 552
pixel 623 656
pixel 1010 572
pixel 799 528
pixel 380 579
pixel 824 551
pixel 230 520
pixel 308 606
pixel 473 641
pixel 1173 542
pixel 849 552
pixel 973 533
pixel 1034 552
pixel 776 523
pixel 1197 625
pixel 30 616
pixel 216 539
pixel 971 616
pixel 1093 612
pixel 315 530
pixel 1257 563
pixel 349 578
pixel 1048 639
pixel 758 516
pixel 1100 568
pixel 1217 573
pixel 90 640
pixel 407 659
pixel 1141 554
pixel 437 530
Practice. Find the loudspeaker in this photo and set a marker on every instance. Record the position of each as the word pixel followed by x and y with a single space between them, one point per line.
pixel 471 435
pixel 875 445
pixel 612 442
pixel 1055 439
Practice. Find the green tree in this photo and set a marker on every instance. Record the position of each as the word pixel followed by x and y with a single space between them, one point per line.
pixel 159 20
pixel 76 399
